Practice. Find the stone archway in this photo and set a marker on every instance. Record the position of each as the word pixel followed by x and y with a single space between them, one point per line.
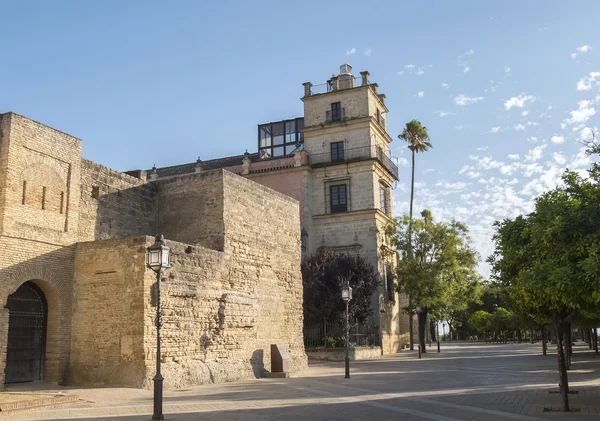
pixel 57 291
pixel 26 344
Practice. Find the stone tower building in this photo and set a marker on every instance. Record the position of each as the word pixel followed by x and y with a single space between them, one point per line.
pixel 335 161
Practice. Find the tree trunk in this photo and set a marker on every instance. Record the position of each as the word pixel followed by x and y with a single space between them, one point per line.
pixel 450 331
pixel 568 344
pixel 562 367
pixel 432 328
pixel 410 254
pixel 411 335
pixel 544 340
pixel 519 338
pixel 422 318
pixel 595 340
pixel 589 337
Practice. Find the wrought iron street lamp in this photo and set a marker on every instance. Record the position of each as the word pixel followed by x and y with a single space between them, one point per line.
pixel 159 259
pixel 419 309
pixel 347 296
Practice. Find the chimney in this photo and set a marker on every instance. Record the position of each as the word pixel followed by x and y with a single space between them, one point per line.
pixel 365 78
pixel 246 163
pixel 346 79
pixel 307 86
pixel 153 174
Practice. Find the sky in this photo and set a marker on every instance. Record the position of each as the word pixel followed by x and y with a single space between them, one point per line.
pixel 505 88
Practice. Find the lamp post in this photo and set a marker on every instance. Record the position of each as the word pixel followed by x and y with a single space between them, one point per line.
pixel 419 310
pixel 347 296
pixel 159 259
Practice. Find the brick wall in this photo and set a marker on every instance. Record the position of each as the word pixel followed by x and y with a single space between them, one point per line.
pixel 39 180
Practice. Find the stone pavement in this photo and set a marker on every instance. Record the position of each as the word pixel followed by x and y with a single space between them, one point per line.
pixel 467 381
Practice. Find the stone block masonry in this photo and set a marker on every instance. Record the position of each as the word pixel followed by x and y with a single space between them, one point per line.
pixel 222 309
pixel 79 231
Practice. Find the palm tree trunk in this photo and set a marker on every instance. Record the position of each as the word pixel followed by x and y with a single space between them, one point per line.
pixel 410 215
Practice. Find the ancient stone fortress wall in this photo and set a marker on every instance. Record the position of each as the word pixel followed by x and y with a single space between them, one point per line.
pixel 223 307
pixel 39 207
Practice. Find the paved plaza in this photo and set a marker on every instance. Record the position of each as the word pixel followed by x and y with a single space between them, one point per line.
pixel 467 381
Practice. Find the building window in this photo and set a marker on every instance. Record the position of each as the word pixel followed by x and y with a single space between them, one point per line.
pixel 336 111
pixel 378 116
pixel 43 197
pixel 95 192
pixel 280 138
pixel 338 198
pixel 337 152
pixel 389 282
pixel 384 199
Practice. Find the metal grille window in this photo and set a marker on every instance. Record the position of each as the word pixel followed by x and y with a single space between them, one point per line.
pixel 384 199
pixel 336 111
pixel 337 151
pixel 338 198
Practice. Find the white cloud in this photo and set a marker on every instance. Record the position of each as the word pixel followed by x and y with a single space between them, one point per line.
pixel 586 83
pixel 456 186
pixel 403 162
pixel 350 51
pixel 443 113
pixel 465 100
pixel 535 154
pixel 421 94
pixel 557 139
pixel 518 101
pixel 495 129
pixel 533 123
pixel 506 69
pixel 410 66
pixel 465 168
pixel 582 113
pixel 549 107
pixel 514 156
pixel 445 85
pixel 400 73
pixel 532 139
pixel 472 174
pixel 559 158
pixel 482 148
pixel 519 127
pixel 580 50
pixel 466 69
pixel 524 113
pixel 419 72
pixel 367 52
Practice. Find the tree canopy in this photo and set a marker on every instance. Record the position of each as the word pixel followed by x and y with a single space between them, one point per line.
pixel 442 274
pixel 323 276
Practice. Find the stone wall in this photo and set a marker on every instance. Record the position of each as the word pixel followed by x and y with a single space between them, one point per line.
pixel 190 209
pixel 108 314
pixel 221 309
pixel 114 204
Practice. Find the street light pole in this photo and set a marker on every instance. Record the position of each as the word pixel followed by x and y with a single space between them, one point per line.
pixel 159 259
pixel 158 378
pixel 347 296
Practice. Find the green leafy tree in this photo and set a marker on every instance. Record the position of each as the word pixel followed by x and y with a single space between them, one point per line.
pixel 417 139
pixel 324 275
pixel 481 322
pixel 441 274
pixel 550 259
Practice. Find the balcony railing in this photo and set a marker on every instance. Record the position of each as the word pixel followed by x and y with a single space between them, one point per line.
pixel 354 155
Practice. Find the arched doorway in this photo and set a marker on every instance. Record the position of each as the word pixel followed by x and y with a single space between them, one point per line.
pixel 26 347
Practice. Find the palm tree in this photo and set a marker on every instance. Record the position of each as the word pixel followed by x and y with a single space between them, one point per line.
pixel 417 138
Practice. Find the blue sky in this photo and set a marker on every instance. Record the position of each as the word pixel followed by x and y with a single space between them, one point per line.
pixel 505 88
